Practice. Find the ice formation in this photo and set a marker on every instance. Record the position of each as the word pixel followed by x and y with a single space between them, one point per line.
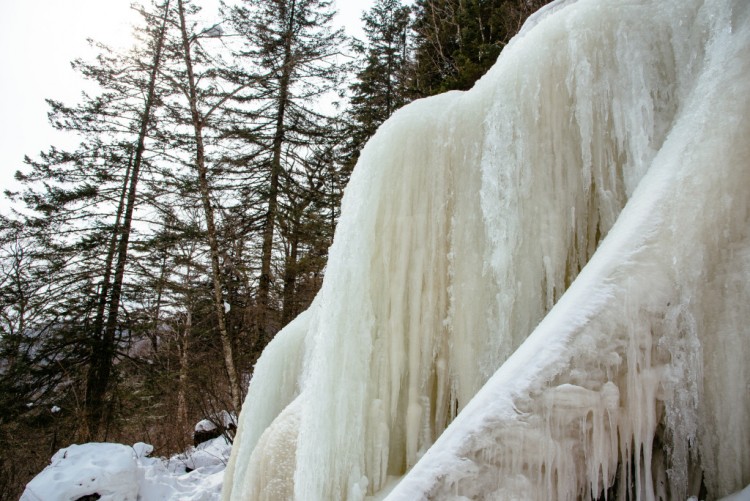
pixel 538 288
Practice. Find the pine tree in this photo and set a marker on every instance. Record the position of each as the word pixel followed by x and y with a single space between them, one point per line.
pixel 383 82
pixel 458 40
pixel 24 305
pixel 175 264
pixel 294 50
pixel 101 367
pixel 82 205
pixel 305 230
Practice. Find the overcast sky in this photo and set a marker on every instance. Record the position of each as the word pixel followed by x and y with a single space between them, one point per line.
pixel 39 38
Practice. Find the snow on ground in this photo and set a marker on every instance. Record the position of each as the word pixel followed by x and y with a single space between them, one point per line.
pixel 119 472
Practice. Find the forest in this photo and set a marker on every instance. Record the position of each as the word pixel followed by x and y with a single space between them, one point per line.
pixel 143 271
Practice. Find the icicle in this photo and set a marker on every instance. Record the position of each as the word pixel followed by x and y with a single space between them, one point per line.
pixel 560 256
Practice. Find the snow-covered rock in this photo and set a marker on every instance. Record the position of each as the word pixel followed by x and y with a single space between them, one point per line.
pixel 109 470
pixel 117 472
pixel 214 426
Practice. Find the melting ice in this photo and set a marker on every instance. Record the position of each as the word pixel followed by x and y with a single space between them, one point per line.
pixel 538 288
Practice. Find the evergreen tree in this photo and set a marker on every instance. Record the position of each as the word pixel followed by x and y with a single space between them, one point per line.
pixel 179 324
pixel 306 229
pixel 383 81
pixel 293 49
pixel 82 206
pixel 103 354
pixel 24 305
pixel 458 40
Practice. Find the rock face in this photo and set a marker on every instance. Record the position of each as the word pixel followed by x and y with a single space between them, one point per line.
pixel 538 288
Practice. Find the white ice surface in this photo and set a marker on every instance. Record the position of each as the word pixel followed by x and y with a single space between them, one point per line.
pixel 538 288
pixel 743 495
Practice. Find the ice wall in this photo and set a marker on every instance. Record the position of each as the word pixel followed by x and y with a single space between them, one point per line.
pixel 605 156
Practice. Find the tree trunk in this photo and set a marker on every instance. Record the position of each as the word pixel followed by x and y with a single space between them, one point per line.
pixel 264 287
pixel 290 277
pixel 200 163
pixel 157 311
pixel 85 429
pixel 184 346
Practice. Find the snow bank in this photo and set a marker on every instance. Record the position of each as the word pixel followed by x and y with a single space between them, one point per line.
pixel 119 472
pixel 110 470
pixel 554 266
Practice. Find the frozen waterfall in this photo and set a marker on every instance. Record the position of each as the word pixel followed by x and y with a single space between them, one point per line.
pixel 539 288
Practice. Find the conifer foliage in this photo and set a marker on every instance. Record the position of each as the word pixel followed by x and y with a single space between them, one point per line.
pixel 383 81
pixel 294 48
pixel 458 40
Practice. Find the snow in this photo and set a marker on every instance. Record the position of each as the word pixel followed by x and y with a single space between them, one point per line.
pixel 111 470
pixel 205 425
pixel 224 418
pixel 538 288
pixel 208 457
pixel 119 472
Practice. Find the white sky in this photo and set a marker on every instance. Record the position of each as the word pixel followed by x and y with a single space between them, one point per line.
pixel 39 38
